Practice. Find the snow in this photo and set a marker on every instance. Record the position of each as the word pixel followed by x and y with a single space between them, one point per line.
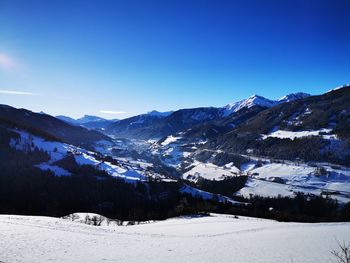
pixel 27 141
pixel 111 169
pixel 170 139
pixel 247 166
pixel 58 150
pixel 254 100
pixel 174 149
pixel 286 179
pixel 282 134
pixel 293 96
pixel 283 170
pixel 215 238
pixel 104 147
pixel 265 189
pixel 339 87
pixel 210 171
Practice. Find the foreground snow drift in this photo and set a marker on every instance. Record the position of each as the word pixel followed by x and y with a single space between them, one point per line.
pixel 217 238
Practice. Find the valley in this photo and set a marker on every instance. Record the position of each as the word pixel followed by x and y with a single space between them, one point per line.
pixel 210 154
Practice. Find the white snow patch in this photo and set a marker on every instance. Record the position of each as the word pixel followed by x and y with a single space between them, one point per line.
pixel 264 188
pixel 211 171
pixel 282 134
pixel 170 139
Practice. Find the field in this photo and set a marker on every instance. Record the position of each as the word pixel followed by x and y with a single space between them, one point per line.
pixel 215 238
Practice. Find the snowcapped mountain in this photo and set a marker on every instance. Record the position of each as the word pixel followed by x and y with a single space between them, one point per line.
pixel 293 96
pixel 314 130
pixel 256 100
pixel 155 125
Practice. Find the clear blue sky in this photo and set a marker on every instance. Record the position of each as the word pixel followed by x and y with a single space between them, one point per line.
pixel 81 57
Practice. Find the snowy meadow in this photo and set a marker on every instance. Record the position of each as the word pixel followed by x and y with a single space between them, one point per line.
pixel 214 238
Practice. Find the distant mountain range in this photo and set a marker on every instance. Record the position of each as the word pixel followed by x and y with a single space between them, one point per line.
pixel 155 125
pixel 49 126
pixel 88 121
pixel 257 100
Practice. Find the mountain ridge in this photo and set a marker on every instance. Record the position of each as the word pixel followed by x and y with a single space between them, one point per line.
pixel 50 125
pixel 156 126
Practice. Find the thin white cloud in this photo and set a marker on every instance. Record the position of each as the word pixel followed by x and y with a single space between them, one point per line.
pixel 7 62
pixel 16 92
pixel 112 112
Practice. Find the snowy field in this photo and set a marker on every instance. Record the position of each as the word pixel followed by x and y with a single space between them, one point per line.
pixel 210 171
pixel 296 178
pixel 217 238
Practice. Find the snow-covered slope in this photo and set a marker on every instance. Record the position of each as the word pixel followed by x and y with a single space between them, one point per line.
pixel 282 134
pixel 293 96
pixel 254 100
pixel 218 238
pixel 271 179
pixel 267 177
pixel 129 170
pixel 58 150
pixel 210 171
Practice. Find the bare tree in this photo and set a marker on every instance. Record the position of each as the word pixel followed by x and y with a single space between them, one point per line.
pixel 342 255
pixel 97 220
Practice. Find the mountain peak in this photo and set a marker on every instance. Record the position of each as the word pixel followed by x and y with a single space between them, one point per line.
pixel 255 96
pixel 254 100
pixel 293 96
pixel 257 100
